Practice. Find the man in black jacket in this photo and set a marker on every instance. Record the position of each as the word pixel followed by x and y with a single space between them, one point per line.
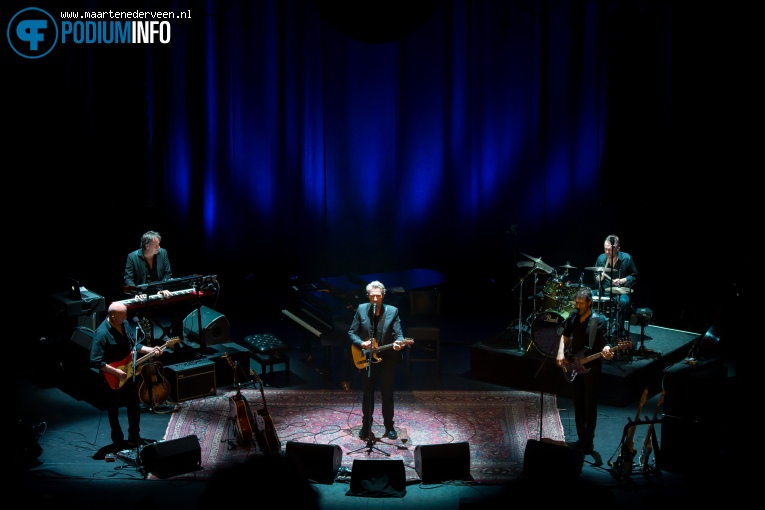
pixel 374 326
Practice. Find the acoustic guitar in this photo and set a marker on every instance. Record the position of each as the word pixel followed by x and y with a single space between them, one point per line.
pixel 154 389
pixel 645 453
pixel 574 365
pixel 244 423
pixel 271 443
pixel 626 457
pixel 361 356
pixel 126 365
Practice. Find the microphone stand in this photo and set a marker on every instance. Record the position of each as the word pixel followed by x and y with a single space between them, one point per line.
pixel 149 383
pixel 135 352
pixel 370 446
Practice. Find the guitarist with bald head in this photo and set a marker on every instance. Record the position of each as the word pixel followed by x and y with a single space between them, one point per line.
pixel 584 333
pixel 111 352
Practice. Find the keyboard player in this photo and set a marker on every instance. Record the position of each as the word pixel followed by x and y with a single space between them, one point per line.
pixel 149 263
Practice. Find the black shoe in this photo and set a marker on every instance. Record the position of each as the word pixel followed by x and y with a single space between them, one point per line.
pixel 134 443
pixel 587 447
pixel 363 434
pixel 391 433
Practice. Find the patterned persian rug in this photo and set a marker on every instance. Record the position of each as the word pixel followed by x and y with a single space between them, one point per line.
pixel 495 424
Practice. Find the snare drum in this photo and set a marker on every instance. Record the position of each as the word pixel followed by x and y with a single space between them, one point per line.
pixel 546 330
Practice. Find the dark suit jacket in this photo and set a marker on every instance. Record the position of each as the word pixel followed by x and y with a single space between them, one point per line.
pixel 136 270
pixel 388 329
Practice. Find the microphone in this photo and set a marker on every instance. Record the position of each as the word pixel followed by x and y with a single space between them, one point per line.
pixel 138 326
pixel 374 308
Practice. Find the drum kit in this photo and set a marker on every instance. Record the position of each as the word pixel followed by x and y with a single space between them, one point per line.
pixel 543 329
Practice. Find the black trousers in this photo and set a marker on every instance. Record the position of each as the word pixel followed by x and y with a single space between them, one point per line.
pixel 127 397
pixel 385 372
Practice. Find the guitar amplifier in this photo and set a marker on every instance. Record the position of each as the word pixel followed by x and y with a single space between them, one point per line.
pixel 190 380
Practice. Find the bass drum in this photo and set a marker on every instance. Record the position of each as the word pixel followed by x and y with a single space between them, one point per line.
pixel 546 330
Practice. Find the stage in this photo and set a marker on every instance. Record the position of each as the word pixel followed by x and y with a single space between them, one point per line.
pixel 526 365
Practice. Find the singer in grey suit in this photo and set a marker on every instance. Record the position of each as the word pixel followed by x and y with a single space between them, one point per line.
pixel 378 324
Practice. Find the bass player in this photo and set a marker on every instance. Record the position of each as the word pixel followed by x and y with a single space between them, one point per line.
pixel 113 344
pixel 584 332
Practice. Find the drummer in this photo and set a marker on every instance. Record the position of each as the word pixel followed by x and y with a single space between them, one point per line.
pixel 615 277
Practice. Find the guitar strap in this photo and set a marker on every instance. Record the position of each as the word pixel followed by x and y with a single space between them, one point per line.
pixel 593 328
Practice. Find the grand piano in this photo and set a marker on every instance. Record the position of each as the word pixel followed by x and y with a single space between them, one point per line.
pixel 324 309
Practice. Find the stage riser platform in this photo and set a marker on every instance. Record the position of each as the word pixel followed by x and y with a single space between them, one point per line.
pixel 500 360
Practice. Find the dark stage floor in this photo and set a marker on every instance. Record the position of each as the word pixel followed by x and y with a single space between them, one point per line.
pixel 700 446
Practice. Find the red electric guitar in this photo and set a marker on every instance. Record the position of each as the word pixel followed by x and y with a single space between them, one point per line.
pixel 126 365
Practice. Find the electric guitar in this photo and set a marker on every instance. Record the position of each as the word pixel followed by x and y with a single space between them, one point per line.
pixel 645 454
pixel 575 364
pixel 627 455
pixel 360 355
pixel 240 412
pixel 271 443
pixel 126 365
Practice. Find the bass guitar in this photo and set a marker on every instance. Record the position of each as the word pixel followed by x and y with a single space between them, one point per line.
pixel 361 356
pixel 645 453
pixel 575 364
pixel 626 457
pixel 126 365
pixel 271 443
pixel 244 423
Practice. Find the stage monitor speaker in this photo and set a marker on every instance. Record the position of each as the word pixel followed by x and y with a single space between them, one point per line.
pixel 378 478
pixel 215 327
pixel 318 462
pixel 165 459
pixel 436 463
pixel 83 337
pixel 550 460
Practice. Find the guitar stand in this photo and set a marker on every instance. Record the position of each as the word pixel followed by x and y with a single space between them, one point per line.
pixel 620 470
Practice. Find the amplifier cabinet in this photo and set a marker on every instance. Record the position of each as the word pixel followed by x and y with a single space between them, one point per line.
pixel 190 380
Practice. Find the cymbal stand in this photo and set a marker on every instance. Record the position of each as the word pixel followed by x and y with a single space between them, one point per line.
pixel 519 322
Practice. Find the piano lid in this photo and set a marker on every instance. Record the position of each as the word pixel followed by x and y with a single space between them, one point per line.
pixel 402 281
pixel 354 286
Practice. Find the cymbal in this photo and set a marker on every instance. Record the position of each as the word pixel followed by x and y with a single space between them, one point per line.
pixel 599 269
pixel 568 266
pixel 539 263
pixel 538 270
pixel 618 290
